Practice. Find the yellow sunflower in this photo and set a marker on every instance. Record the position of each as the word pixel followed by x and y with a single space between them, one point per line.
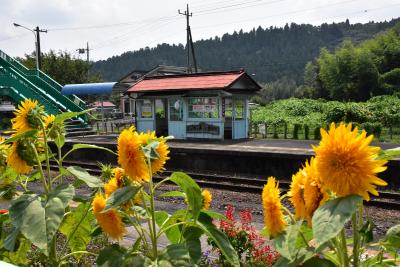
pixel 110 221
pixel 273 215
pixel 162 149
pixel 48 120
pixel 296 194
pixel 207 198
pixel 131 157
pixel 117 181
pixel 27 116
pixel 4 151
pixel 314 195
pixel 15 161
pixel 346 163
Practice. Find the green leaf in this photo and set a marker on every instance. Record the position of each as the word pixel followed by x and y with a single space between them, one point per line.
pixel 318 262
pixel 214 215
pixel 11 239
pixel 20 256
pixel 150 150
pixel 60 118
pixel 368 231
pixel 220 239
pixel 192 241
pixel 389 154
pixel 285 243
pixel 16 137
pixel 163 221
pixel 84 176
pixel 191 189
pixel 173 194
pixel 330 218
pixel 111 256
pixel 86 146
pixel 393 236
pixel 139 210
pixel 175 255
pixel 78 224
pixel 307 233
pixel 136 261
pixel 39 220
pixel 121 196
pixel 59 140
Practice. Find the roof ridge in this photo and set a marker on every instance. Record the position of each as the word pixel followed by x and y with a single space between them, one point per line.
pixel 184 75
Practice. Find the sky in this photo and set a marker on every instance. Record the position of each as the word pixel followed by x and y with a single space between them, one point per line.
pixel 112 27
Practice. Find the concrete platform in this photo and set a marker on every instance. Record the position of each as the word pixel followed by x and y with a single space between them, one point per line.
pixel 251 158
pixel 248 145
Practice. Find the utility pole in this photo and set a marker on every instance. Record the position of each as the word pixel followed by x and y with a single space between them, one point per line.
pixel 189 40
pixel 83 51
pixel 39 56
pixel 36 32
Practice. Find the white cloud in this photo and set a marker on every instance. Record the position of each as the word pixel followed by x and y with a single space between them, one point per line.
pixel 145 29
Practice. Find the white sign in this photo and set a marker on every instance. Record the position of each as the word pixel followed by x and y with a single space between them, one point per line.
pixel 204 108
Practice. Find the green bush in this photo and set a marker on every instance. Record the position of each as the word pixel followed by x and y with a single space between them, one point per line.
pixel 374 128
pixel 317 133
pixel 306 132
pixel 296 129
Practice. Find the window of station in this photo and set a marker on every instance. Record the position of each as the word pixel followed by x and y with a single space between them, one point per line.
pixel 175 110
pixel 160 109
pixel 239 109
pixel 146 109
pixel 203 107
pixel 228 108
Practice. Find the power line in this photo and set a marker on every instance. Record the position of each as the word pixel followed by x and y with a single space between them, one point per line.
pixel 287 13
pixel 236 6
pixel 129 35
pixel 127 23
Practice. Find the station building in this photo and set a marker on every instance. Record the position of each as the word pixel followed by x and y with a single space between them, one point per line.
pixel 209 105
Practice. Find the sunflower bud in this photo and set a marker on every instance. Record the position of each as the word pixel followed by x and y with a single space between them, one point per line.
pixel 26 152
pixel 34 117
pixel 106 171
pixel 56 129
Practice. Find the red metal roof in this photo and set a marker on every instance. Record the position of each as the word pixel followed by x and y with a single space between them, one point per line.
pixel 197 81
pixel 106 104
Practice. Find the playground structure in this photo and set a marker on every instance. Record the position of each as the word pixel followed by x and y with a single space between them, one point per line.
pixel 19 83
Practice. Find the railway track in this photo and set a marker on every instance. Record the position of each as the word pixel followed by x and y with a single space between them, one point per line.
pixel 387 199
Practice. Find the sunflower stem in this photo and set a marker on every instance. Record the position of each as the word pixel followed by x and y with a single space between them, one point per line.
pixel 356 241
pixel 60 161
pixel 46 150
pixel 153 218
pixel 45 187
pixel 139 230
pixel 344 248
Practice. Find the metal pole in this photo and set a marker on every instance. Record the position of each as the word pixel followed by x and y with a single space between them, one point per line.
pixel 192 47
pixel 38 56
pixel 87 59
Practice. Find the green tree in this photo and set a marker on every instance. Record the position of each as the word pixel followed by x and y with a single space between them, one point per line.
pixel 62 67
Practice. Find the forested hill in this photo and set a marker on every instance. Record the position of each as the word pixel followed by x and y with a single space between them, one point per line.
pixel 270 53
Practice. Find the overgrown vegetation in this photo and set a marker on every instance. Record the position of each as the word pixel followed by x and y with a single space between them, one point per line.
pixel 356 72
pixel 373 115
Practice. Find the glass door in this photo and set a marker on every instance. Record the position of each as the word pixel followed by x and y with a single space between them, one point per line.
pixel 227 113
